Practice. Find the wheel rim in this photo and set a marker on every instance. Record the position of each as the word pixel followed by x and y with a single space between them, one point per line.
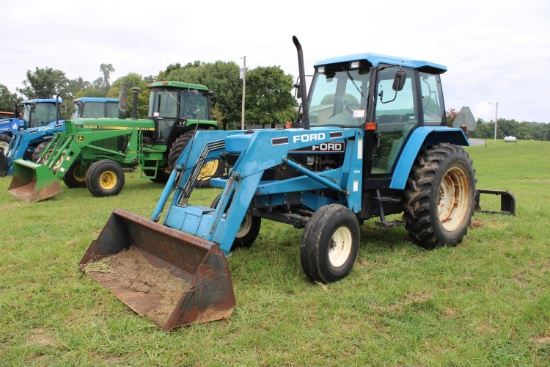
pixel 47 157
pixel 4 145
pixel 340 247
pixel 245 227
pixel 79 177
pixel 208 170
pixel 453 201
pixel 107 180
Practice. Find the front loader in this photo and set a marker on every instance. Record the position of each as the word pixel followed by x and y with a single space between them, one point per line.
pixel 95 152
pixel 29 143
pixel 372 141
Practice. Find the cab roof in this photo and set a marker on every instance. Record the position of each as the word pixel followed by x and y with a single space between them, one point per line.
pixel 181 85
pixel 377 59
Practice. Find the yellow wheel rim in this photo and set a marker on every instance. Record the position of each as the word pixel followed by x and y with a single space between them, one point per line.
pixel 107 180
pixel 208 170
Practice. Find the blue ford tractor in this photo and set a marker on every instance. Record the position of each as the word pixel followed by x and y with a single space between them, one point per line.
pixel 37 112
pixel 372 141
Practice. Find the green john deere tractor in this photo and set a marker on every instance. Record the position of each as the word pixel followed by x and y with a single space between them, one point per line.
pixel 94 153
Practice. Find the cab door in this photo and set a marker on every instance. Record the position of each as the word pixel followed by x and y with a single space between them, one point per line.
pixel 396 113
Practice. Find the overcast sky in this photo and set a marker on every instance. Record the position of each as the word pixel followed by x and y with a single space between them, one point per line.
pixel 495 51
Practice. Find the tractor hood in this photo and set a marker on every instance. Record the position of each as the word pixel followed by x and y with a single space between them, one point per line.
pixel 114 124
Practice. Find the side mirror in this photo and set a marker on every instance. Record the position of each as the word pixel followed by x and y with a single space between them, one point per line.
pixel 298 90
pixel 399 80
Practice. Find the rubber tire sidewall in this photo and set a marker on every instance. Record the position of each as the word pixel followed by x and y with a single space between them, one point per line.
pixel 422 192
pixel 246 240
pixel 179 146
pixel 5 139
pixel 314 249
pixel 71 180
pixel 93 178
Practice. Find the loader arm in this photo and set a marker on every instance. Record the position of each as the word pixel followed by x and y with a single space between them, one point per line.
pixel 36 182
pixel 258 151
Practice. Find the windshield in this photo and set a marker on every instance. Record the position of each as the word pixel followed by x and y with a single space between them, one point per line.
pixel 339 98
pixel 95 110
pixel 193 105
pixel 39 114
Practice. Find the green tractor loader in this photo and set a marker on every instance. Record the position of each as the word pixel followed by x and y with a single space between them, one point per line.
pixel 95 152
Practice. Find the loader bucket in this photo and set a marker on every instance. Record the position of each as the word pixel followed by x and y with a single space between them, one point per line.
pixel 32 182
pixel 507 202
pixel 170 277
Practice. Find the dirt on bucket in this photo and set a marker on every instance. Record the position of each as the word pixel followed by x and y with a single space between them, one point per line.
pixel 130 270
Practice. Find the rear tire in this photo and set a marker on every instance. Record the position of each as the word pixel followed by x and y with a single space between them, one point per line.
pixel 105 178
pixel 330 243
pixel 440 196
pixel 75 177
pixel 215 168
pixel 4 162
pixel 248 230
pixel 38 151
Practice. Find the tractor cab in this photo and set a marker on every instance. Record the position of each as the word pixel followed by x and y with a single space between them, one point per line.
pixel 40 112
pixel 387 96
pixel 94 107
pixel 176 105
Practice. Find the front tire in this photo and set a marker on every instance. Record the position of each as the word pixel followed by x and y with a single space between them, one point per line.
pixel 75 177
pixel 5 142
pixel 440 196
pixel 330 243
pixel 214 168
pixel 105 178
pixel 248 230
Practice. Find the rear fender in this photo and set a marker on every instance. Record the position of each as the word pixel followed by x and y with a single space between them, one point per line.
pixel 420 139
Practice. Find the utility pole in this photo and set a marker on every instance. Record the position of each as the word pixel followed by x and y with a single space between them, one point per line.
pixel 496 117
pixel 243 75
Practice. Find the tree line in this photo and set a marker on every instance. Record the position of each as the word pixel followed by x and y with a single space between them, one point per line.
pixel 269 99
pixel 268 93
pixel 521 130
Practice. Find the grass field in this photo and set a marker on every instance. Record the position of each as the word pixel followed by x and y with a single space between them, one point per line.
pixel 485 302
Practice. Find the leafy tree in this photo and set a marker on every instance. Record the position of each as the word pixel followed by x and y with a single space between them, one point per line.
pixel 106 69
pixel 451 116
pixel 525 131
pixel 90 92
pixel 7 99
pixel 132 80
pixel 483 130
pixel 149 79
pixel 268 96
pixel 74 86
pixel 44 83
pixel 220 77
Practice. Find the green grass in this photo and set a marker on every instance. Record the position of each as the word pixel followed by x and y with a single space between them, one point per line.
pixel 485 302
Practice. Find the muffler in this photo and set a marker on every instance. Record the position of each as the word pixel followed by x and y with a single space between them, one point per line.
pixel 32 181
pixel 172 278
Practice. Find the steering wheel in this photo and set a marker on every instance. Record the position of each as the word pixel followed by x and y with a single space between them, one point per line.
pixel 408 117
